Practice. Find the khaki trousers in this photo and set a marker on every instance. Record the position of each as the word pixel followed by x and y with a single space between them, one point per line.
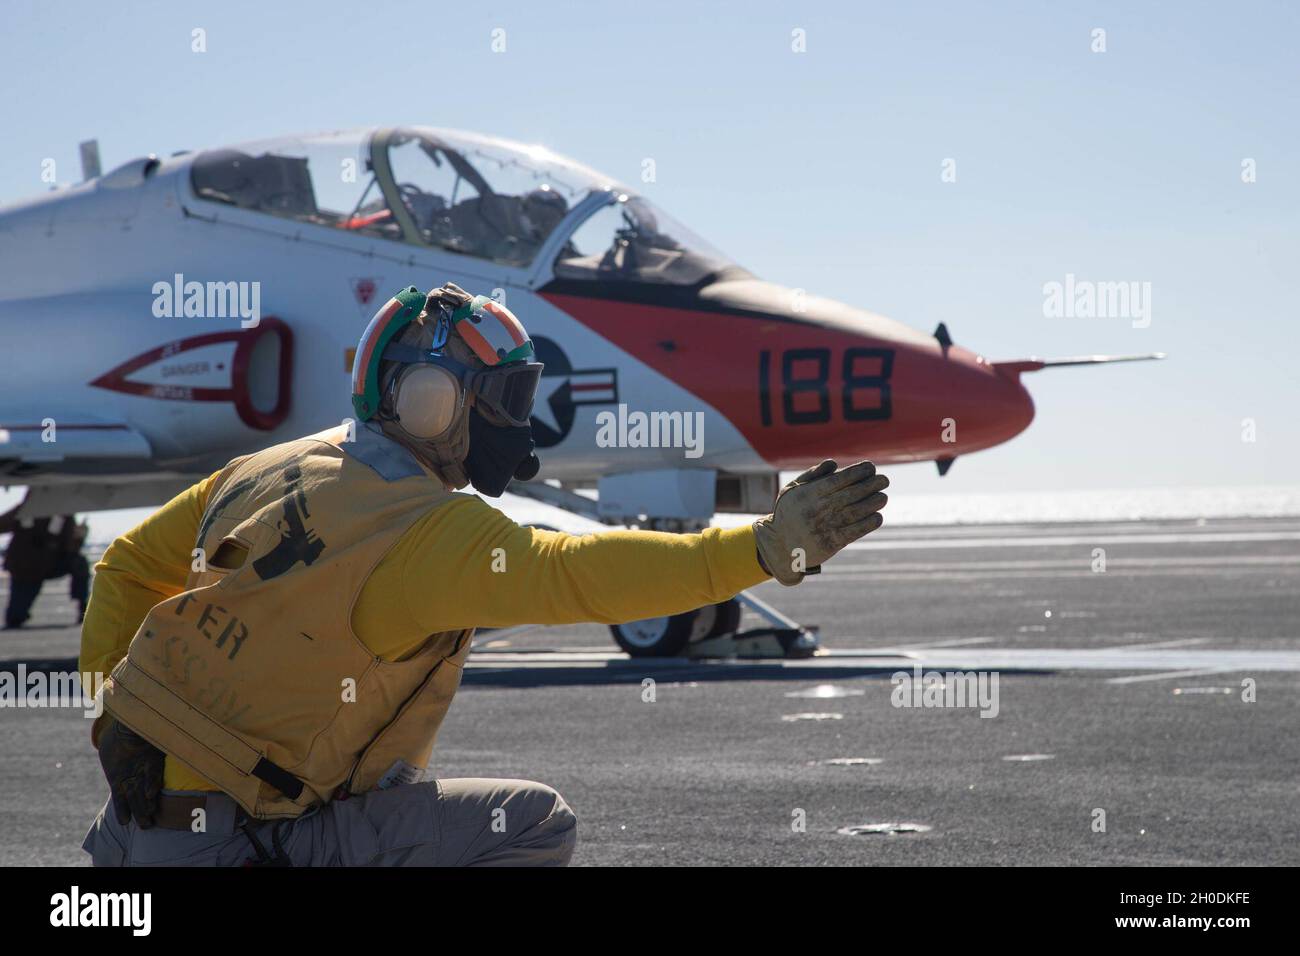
pixel 459 822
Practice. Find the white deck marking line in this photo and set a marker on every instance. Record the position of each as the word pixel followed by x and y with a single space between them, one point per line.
pixel 939 640
pixel 1055 541
pixel 1181 642
pixel 1083 562
pixel 882 573
pixel 1163 661
pixel 1168 675
pixel 922 645
pixel 1115 660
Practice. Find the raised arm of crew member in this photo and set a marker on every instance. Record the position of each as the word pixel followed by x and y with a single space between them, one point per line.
pixel 468 565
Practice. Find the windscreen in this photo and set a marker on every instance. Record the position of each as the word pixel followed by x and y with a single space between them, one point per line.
pixel 630 240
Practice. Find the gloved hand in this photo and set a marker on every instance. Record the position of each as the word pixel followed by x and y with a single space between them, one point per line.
pixel 134 768
pixel 451 296
pixel 816 515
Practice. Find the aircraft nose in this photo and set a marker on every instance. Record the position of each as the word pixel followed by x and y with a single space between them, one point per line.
pixel 984 405
pixel 801 378
pixel 838 381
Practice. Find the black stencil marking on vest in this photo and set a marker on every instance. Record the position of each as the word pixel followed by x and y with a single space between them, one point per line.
pixel 297 541
pixel 233 629
pixel 216 624
pixel 216 508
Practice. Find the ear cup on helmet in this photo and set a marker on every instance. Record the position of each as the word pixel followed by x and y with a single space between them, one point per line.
pixel 426 401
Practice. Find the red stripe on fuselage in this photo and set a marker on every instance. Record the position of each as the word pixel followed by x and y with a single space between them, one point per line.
pixel 810 408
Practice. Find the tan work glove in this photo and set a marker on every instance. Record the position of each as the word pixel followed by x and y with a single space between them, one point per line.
pixel 816 515
pixel 450 295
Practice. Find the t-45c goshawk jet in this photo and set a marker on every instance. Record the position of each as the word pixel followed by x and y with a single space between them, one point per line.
pixel 162 318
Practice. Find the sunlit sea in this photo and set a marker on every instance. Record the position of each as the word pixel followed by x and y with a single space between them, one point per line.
pixel 1133 504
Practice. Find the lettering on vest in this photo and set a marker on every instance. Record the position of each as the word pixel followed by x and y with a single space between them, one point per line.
pixel 183 667
pixel 214 616
pixel 297 542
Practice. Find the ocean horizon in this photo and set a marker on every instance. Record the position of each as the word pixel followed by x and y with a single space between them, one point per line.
pixel 988 508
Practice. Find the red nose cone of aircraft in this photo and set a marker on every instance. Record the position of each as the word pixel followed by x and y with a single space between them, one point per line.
pixel 983 405
pixel 804 378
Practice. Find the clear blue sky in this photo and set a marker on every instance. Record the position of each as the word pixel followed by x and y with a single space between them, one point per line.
pixel 821 169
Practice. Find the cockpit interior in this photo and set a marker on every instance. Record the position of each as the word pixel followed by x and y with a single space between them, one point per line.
pixel 474 196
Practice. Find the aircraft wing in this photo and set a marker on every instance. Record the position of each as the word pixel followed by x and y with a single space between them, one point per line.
pixel 32 437
pixel 71 462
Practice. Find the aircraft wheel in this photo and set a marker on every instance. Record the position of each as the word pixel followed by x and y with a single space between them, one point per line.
pixel 726 619
pixel 661 636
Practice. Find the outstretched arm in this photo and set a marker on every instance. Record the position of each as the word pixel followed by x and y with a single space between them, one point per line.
pixel 468 565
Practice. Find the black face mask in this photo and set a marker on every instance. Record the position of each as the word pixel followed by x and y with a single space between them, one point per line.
pixel 498 454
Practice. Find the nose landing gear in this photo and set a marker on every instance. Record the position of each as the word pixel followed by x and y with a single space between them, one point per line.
pixel 714 631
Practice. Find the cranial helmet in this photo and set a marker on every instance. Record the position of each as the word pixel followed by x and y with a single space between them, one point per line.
pixel 452 377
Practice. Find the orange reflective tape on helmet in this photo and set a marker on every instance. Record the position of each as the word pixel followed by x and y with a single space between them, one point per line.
pixel 492 331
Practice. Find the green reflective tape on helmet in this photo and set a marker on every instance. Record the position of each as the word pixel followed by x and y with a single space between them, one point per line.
pixel 395 315
pixel 469 308
pixel 523 353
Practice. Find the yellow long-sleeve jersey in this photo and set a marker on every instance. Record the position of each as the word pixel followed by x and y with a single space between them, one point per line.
pixel 435 580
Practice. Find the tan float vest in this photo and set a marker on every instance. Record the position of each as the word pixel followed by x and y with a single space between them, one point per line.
pixel 253 676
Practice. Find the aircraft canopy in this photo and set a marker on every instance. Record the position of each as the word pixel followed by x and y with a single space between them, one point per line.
pixel 472 195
